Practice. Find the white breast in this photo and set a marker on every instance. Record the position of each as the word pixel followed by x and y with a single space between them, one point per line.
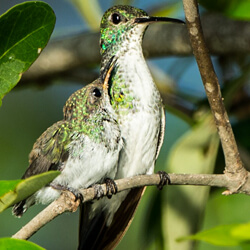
pixel 140 127
pixel 89 163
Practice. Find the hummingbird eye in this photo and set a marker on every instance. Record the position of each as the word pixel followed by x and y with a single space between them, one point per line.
pixel 97 92
pixel 116 18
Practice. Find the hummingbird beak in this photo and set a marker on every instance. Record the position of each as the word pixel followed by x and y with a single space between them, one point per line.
pixel 152 19
pixel 106 79
pixel 107 73
pixel 105 85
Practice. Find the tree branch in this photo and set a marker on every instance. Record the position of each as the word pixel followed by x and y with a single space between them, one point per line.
pixel 60 57
pixel 234 168
pixel 66 202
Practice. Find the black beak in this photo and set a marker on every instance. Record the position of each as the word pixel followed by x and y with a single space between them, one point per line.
pixel 152 19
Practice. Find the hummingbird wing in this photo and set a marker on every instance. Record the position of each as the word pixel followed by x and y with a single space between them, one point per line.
pixel 48 153
pixel 96 234
pixel 161 133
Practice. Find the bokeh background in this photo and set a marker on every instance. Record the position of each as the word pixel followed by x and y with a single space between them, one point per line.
pixel 191 144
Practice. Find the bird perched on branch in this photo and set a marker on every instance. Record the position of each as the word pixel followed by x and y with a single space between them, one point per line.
pixel 84 146
pixel 141 118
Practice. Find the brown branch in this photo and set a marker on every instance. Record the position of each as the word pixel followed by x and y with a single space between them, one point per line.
pixel 234 168
pixel 66 203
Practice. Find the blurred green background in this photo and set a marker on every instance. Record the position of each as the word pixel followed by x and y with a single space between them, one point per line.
pixel 191 144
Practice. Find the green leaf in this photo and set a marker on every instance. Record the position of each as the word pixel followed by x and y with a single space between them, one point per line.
pixel 220 235
pixel 17 190
pixel 238 9
pixel 224 235
pixel 24 31
pixel 242 232
pixel 9 243
pixel 6 186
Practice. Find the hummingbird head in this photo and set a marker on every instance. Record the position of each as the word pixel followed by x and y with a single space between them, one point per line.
pixel 92 98
pixel 84 102
pixel 117 25
pixel 123 25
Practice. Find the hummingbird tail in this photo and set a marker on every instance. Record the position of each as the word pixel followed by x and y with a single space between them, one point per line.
pixel 18 209
pixel 95 234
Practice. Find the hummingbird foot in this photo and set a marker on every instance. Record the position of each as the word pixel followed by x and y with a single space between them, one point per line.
pixel 111 187
pixel 165 179
pixel 99 193
pixel 75 192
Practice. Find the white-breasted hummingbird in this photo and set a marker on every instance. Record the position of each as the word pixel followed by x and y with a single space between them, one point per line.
pixel 84 146
pixel 141 118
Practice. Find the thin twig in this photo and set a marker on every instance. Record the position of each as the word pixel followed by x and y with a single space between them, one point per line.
pixel 233 163
pixel 66 203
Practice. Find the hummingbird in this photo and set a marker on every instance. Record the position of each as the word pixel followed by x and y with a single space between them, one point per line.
pixel 141 117
pixel 84 146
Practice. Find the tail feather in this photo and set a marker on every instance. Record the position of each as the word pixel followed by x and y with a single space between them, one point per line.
pixel 95 234
pixel 18 209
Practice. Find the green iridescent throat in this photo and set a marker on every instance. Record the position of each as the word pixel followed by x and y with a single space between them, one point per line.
pixel 121 97
pixel 111 38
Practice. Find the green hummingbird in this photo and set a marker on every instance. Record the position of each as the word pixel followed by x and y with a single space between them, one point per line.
pixel 141 118
pixel 84 146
